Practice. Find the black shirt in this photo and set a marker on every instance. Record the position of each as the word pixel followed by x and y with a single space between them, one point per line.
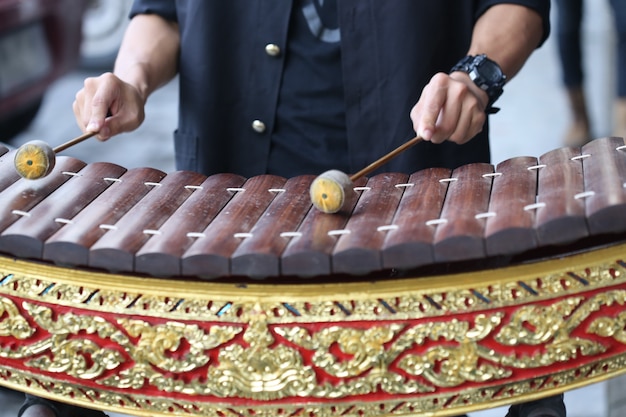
pixel 309 135
pixel 232 60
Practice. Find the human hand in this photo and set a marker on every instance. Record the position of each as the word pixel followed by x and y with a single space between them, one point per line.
pixel 109 106
pixel 451 107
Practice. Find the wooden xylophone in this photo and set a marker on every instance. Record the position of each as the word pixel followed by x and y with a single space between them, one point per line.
pixel 185 224
pixel 511 286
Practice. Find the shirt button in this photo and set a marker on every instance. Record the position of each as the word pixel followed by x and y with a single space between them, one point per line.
pixel 272 49
pixel 258 126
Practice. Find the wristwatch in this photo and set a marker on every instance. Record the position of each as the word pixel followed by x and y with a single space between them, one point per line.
pixel 486 74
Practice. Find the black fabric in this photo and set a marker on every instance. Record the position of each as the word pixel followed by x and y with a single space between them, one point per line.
pixel 59 409
pixel 389 51
pixel 568 40
pixel 310 131
pixel 545 407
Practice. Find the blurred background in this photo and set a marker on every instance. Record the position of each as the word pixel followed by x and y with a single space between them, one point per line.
pixel 42 66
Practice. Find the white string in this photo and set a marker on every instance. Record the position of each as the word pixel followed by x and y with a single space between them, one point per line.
pixel 436 222
pixel 387 227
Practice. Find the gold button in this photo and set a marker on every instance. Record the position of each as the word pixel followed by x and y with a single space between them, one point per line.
pixel 258 126
pixel 272 49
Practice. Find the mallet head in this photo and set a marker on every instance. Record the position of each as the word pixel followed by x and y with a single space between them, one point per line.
pixel 34 159
pixel 329 191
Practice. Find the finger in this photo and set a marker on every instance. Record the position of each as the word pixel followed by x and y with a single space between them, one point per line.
pixel 451 113
pixel 84 98
pixel 82 112
pixel 463 127
pixel 101 103
pixel 478 122
pixel 76 108
pixel 128 113
pixel 448 120
pixel 471 121
pixel 430 106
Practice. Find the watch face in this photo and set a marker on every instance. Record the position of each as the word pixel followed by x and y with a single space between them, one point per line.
pixel 490 72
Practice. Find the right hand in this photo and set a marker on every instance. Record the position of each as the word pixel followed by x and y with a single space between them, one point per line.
pixel 451 108
pixel 109 106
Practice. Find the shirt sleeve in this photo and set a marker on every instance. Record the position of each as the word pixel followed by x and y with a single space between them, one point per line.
pixel 164 8
pixel 540 6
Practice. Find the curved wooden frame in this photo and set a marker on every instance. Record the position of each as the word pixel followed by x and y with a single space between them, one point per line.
pixel 438 345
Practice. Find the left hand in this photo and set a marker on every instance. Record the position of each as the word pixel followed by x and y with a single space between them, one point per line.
pixel 451 108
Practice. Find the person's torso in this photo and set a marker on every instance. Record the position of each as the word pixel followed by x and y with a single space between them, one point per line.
pixel 236 56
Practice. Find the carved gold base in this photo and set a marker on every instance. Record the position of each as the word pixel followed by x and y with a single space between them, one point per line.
pixel 437 346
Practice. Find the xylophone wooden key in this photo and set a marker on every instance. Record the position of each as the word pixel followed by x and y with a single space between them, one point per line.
pixel 161 254
pixel 358 250
pixel 560 216
pixel 409 243
pixel 71 245
pixel 259 254
pixel 509 227
pixel 460 235
pixel 116 249
pixel 22 195
pixel 8 174
pixel 605 184
pixel 26 236
pixel 311 254
pixel 209 256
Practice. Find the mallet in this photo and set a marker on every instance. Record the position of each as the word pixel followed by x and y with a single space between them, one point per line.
pixel 36 159
pixel 329 190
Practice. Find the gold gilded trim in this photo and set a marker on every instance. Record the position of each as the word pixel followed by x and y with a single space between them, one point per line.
pixel 440 345
pixel 410 297
pixel 436 405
